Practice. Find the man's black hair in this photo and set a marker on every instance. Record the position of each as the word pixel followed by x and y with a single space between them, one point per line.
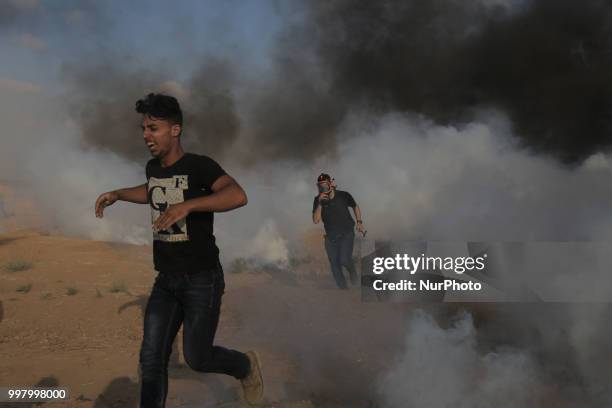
pixel 161 106
pixel 323 177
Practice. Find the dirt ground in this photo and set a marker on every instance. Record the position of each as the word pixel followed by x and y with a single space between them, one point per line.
pixel 71 315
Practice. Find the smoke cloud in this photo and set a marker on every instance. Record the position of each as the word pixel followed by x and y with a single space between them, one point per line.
pixel 449 361
pixel 542 62
pixel 104 107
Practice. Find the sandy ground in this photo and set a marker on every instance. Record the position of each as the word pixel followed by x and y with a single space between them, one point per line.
pixel 73 318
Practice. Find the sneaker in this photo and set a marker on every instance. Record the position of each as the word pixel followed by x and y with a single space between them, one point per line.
pixel 252 384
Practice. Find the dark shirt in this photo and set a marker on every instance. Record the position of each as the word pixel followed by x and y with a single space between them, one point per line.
pixel 189 244
pixel 335 214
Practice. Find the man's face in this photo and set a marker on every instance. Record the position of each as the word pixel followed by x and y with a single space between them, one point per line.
pixel 324 186
pixel 159 135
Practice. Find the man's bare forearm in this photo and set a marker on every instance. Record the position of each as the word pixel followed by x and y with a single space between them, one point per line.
pixel 357 212
pixel 228 198
pixel 136 194
pixel 227 195
pixel 316 215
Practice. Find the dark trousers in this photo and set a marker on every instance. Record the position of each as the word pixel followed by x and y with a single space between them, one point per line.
pixel 193 300
pixel 339 250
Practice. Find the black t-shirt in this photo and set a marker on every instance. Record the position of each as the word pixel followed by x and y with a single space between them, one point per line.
pixel 335 214
pixel 189 244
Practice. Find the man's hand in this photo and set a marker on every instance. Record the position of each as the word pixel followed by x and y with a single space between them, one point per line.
pixel 172 214
pixel 360 227
pixel 104 201
pixel 323 196
pixel 136 194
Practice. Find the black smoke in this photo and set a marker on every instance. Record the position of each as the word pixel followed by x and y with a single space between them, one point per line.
pixel 102 99
pixel 545 63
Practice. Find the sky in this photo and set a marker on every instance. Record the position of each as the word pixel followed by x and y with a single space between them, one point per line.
pixel 40 38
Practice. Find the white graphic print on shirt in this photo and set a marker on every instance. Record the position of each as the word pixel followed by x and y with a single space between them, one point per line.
pixel 162 193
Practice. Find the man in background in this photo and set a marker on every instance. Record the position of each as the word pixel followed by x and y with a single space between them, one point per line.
pixel 331 205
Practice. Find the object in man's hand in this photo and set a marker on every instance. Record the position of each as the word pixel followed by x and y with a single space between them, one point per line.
pixel 324 184
pixel 324 191
pixel 324 187
pixel 324 199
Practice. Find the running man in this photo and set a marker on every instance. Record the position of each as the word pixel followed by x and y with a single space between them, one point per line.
pixel 331 205
pixel 183 191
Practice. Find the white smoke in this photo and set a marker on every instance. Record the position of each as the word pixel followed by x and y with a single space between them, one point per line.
pixel 444 368
pixel 269 245
pixel 72 182
pixel 417 180
pixel 41 159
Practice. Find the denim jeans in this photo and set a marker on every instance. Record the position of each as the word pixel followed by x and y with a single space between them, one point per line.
pixel 339 250
pixel 193 300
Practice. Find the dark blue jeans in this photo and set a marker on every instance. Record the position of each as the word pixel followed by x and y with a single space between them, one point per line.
pixel 339 250
pixel 193 300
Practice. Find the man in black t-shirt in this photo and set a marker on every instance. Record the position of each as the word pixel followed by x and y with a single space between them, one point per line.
pixel 183 191
pixel 331 205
